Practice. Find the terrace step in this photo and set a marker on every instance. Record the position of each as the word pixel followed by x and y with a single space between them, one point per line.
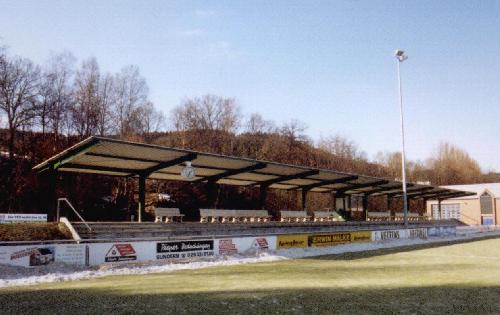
pixel 134 230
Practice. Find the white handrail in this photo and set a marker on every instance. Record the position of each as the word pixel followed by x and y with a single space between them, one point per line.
pixel 72 208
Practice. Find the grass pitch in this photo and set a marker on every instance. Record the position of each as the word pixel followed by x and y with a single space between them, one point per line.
pixel 453 279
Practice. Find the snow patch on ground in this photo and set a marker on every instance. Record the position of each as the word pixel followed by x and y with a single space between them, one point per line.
pixel 21 276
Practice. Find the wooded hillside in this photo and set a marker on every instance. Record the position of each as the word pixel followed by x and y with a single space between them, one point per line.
pixel 45 109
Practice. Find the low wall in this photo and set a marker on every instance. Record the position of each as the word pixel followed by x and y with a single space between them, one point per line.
pixel 185 250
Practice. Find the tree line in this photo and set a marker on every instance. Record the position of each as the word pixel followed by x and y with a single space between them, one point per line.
pixel 45 108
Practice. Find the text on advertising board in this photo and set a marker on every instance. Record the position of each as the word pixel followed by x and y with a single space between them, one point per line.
pixel 184 249
pixel 292 241
pixel 120 252
pixel 339 238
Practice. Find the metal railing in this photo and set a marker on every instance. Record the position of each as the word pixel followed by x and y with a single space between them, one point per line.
pixel 72 208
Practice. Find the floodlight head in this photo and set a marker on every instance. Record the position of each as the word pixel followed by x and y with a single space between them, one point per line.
pixel 400 55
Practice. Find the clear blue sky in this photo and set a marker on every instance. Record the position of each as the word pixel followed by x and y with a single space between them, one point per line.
pixel 329 64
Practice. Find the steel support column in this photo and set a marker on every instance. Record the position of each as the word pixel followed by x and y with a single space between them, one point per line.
pixel 304 198
pixel 365 207
pixel 439 210
pixel 263 196
pixel 212 191
pixel 142 197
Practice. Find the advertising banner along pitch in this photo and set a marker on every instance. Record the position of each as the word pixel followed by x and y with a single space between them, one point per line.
pixel 292 241
pixel 184 249
pixel 333 239
pixel 244 245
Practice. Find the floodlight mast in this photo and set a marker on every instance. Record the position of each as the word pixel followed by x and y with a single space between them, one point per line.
pixel 401 56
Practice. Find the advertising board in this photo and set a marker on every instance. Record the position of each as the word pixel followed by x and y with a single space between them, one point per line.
pixel 442 231
pixel 184 249
pixel 244 245
pixel 38 255
pixel 333 239
pixel 100 253
pixel 292 241
pixel 22 218
pixel 399 234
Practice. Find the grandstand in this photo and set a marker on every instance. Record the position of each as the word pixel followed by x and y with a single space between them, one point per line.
pixel 111 157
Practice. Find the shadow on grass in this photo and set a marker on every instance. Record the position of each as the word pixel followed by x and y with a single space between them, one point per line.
pixel 421 300
pixel 401 249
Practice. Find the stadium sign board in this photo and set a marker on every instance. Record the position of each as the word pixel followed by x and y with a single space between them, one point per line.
pixel 333 239
pixel 399 234
pixel 22 217
pixel 292 241
pixel 188 250
pixel 244 245
pixel 184 249
pixel 38 255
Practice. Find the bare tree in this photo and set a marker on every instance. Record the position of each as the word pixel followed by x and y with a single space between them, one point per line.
pixel 340 146
pixel 105 105
pixel 294 131
pixel 256 124
pixel 151 120
pixel 130 93
pixel 452 165
pixel 208 112
pixel 18 90
pixel 55 93
pixel 85 111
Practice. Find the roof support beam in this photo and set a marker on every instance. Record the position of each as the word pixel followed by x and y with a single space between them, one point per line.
pixel 328 182
pixel 380 189
pixel 232 172
pixel 162 165
pixel 425 193
pixel 126 171
pixel 444 194
pixel 287 177
pixel 454 195
pixel 412 192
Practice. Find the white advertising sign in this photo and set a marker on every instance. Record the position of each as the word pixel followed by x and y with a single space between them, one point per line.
pixel 399 234
pixel 184 250
pixel 101 253
pixel 244 245
pixel 38 255
pixel 442 231
pixel 22 217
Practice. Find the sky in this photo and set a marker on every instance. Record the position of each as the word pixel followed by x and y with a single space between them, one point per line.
pixel 329 64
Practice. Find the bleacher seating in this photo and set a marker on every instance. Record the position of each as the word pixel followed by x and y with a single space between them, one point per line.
pixel 233 216
pixel 379 216
pixel 412 216
pixel 326 216
pixel 170 215
pixel 294 216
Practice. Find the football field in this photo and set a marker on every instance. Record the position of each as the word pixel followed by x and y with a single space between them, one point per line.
pixel 459 278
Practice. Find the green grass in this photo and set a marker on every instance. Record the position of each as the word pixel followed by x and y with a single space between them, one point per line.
pixel 444 279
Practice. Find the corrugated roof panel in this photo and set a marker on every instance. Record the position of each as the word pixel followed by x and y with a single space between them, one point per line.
pixel 198 170
pixel 137 151
pixel 221 162
pixel 281 186
pixel 110 162
pixel 300 182
pixel 281 169
pixel 227 181
pixel 253 177
pixel 174 177
pixel 325 175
